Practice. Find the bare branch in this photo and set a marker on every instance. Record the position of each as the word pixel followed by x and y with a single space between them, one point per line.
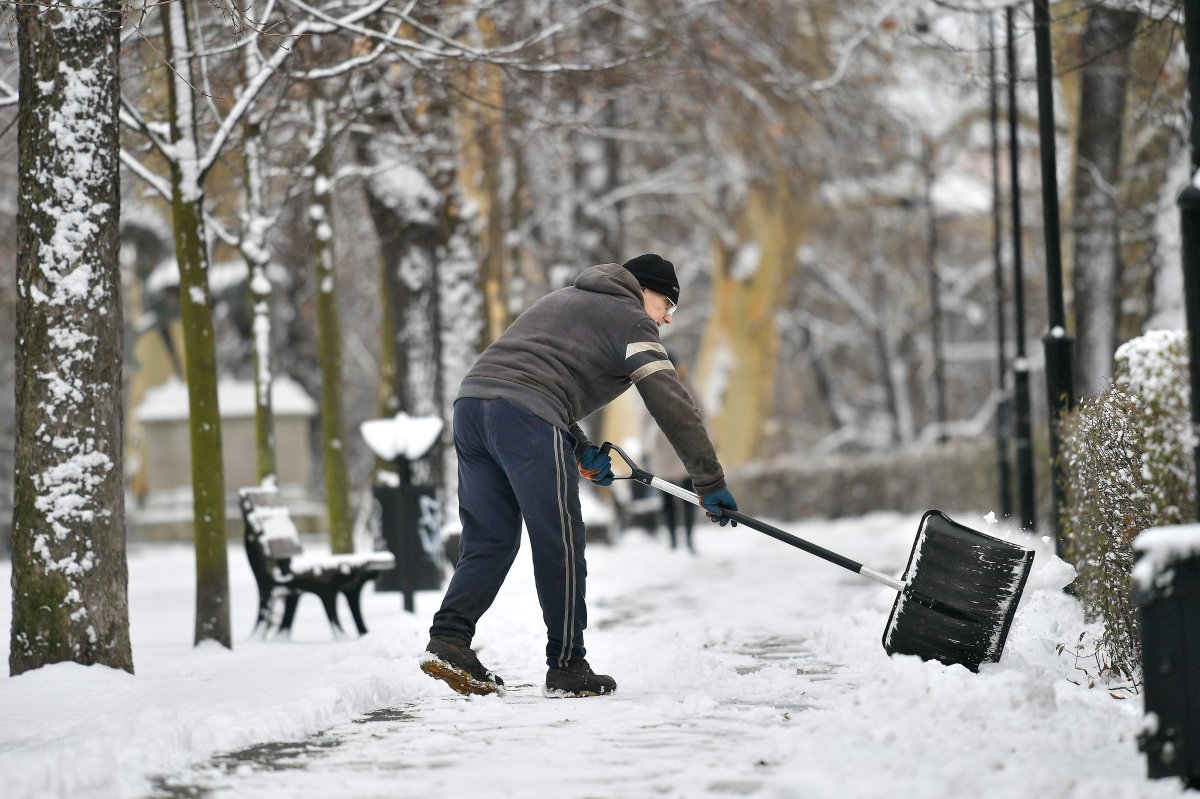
pixel 130 117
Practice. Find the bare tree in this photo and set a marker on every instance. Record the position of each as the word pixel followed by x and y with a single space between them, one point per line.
pixel 337 493
pixel 1097 257
pixel 256 220
pixel 191 156
pixel 200 362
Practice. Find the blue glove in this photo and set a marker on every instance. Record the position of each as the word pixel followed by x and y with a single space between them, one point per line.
pixel 596 466
pixel 716 501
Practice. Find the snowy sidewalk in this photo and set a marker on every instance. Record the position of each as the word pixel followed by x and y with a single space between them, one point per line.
pixel 752 669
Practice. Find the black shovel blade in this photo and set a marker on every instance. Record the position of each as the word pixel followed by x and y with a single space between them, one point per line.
pixel 961 592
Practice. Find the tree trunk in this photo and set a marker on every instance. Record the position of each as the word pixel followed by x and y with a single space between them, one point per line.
pixel 741 343
pixel 409 245
pixel 937 349
pixel 255 224
pixel 490 167
pixel 69 578
pixel 200 362
pixel 329 339
pixel 893 367
pixel 1097 256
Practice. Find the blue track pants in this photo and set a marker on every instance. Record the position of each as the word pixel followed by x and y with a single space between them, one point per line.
pixel 514 465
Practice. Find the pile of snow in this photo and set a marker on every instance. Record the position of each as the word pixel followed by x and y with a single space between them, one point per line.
pixel 1159 548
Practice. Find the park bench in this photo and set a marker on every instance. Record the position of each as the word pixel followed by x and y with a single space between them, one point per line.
pixel 284 572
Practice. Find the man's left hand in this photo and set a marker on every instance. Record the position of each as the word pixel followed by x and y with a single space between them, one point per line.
pixel 596 466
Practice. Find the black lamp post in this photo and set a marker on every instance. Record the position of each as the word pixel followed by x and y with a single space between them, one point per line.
pixel 1022 428
pixel 1059 345
pixel 1002 403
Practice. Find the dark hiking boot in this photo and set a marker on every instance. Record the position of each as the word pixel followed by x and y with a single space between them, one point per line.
pixel 577 680
pixel 456 665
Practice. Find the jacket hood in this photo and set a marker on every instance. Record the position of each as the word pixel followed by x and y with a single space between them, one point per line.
pixel 610 279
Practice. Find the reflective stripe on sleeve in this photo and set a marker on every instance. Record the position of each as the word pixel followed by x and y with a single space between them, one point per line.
pixel 650 369
pixel 645 346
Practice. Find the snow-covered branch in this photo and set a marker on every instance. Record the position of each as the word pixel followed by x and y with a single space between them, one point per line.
pixel 671 179
pixel 849 48
pixel 494 54
pixel 8 95
pixel 157 134
pixel 836 282
pixel 246 101
pixel 462 51
pixel 350 64
pixel 158 184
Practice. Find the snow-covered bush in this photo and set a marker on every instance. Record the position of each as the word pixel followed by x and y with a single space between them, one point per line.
pixel 1127 466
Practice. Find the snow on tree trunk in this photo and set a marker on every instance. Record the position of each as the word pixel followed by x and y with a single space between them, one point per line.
pixel 70 577
pixel 255 224
pixel 1096 262
pixel 406 210
pixel 200 363
pixel 429 238
pixel 462 320
pixel 329 336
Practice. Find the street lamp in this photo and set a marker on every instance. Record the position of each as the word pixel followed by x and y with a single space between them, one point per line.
pixel 1022 431
pixel 1059 345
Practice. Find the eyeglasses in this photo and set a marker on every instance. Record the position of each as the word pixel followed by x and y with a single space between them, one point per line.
pixel 672 307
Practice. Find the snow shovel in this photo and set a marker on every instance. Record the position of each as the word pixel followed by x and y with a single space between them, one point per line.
pixel 960 588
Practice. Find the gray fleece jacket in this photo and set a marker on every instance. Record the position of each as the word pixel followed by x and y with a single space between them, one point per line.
pixel 577 349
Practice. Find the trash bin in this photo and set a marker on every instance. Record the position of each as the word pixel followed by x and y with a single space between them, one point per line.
pixel 411 522
pixel 1166 591
pixel 410 515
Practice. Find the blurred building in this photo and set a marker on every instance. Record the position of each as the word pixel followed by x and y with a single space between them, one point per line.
pixel 162 507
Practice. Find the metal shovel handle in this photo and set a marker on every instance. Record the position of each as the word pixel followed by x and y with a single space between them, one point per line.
pixel 644 477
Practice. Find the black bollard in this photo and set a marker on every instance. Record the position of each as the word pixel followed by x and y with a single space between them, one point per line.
pixel 1166 592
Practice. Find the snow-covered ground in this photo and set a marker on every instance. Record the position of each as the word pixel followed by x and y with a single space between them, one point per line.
pixel 750 669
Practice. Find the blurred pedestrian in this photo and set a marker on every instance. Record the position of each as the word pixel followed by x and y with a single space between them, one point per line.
pixel 521 453
pixel 662 461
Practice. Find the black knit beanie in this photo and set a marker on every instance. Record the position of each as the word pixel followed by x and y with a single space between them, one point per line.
pixel 655 273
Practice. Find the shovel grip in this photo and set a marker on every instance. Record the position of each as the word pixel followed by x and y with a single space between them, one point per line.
pixel 807 546
pixel 814 549
pixel 645 477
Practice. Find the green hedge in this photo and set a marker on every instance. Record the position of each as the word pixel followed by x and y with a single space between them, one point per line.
pixel 1126 466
